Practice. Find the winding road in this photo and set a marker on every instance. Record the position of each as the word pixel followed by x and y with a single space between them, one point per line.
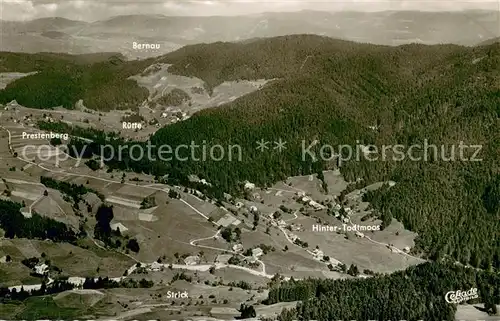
pixel 205 267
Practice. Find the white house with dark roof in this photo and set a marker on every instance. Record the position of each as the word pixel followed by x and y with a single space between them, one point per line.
pixel 256 252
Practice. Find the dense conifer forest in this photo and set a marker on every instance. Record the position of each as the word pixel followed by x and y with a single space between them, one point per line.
pixel 62 80
pixel 442 94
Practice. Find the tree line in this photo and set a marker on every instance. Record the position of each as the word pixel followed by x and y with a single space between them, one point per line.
pixel 15 224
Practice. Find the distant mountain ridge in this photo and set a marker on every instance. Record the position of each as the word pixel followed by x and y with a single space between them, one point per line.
pixel 172 32
pixel 489 41
pixel 40 25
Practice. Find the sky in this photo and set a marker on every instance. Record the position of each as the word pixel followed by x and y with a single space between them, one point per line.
pixel 92 10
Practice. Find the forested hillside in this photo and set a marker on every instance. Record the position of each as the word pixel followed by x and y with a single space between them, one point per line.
pixel 16 224
pixel 61 80
pixel 417 293
pixel 443 94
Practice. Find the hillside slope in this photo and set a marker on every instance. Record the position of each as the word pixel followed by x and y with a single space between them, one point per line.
pixel 100 79
pixel 336 92
pixel 118 33
pixel 412 93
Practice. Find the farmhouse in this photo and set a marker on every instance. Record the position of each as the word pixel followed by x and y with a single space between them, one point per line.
pixel 227 220
pixel 155 266
pixel 318 254
pixel 306 199
pixel 238 247
pixel 41 269
pixel 257 252
pixel 334 261
pixel 316 205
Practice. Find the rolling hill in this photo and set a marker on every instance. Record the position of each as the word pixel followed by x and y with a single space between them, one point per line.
pixel 100 79
pixel 172 32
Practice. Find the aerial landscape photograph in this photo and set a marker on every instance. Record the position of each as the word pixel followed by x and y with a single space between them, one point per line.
pixel 253 160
